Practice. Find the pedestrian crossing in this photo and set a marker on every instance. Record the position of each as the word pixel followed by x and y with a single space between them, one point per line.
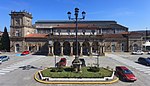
pixel 132 64
pixel 15 66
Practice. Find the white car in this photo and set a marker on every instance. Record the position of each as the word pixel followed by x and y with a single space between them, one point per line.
pixel 0 61
pixel 148 52
pixel 138 52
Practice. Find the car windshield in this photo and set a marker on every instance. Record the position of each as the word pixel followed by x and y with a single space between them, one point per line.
pixel 127 72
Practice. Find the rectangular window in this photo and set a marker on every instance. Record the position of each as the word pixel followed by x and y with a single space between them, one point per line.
pixel 17 33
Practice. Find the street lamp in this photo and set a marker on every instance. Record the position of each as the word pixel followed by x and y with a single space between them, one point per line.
pixel 76 61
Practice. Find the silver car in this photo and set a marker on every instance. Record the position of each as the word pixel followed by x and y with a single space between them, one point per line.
pixel 3 58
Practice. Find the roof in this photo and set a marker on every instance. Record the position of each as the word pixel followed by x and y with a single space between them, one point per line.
pixel 70 21
pixel 125 33
pixel 147 43
pixel 73 26
pixel 1 33
pixel 135 34
pixel 113 36
pixel 80 25
pixel 36 36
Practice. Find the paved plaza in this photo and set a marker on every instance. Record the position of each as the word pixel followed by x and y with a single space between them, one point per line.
pixel 13 74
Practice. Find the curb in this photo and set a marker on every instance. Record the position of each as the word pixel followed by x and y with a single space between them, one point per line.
pixel 48 82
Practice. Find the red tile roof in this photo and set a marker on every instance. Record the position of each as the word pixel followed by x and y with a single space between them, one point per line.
pixel 74 25
pixel 36 35
pixel 113 36
pixel 124 33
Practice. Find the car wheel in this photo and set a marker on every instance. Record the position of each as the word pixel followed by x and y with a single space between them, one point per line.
pixel 124 79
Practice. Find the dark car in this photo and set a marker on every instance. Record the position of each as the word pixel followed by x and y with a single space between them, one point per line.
pixel 3 58
pixel 144 61
pixel 62 62
pixel 82 62
pixel 125 74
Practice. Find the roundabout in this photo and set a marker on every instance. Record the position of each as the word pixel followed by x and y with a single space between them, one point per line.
pixel 47 80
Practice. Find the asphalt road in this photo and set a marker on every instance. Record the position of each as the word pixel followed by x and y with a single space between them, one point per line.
pixel 15 73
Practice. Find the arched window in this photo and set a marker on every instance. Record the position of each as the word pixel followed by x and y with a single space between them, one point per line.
pixel 135 47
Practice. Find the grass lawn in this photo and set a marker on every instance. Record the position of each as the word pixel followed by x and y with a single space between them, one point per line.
pixel 103 72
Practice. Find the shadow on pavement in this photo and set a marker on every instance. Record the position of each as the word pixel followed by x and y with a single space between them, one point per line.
pixel 28 67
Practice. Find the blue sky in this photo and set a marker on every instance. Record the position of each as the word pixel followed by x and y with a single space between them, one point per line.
pixel 134 14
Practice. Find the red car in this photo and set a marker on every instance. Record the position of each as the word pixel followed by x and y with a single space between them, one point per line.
pixel 62 62
pixel 125 74
pixel 25 52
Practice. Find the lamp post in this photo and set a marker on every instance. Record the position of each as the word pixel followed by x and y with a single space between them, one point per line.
pixel 76 61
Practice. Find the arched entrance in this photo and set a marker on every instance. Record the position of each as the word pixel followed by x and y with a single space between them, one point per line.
pixel 135 47
pixel 66 48
pixel 95 47
pixel 75 48
pixel 122 47
pixel 32 47
pixel 17 48
pixel 113 48
pixel 57 48
pixel 86 48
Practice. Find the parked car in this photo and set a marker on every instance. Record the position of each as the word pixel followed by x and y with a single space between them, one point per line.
pixel 125 74
pixel 148 52
pixel 82 62
pixel 138 52
pixel 62 62
pixel 25 52
pixel 3 58
pixel 144 61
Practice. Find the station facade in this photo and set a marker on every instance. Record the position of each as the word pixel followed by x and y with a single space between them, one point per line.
pixel 51 37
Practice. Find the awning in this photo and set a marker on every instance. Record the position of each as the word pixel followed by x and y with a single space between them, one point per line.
pixel 147 43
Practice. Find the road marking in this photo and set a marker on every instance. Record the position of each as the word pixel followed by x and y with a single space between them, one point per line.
pixel 15 66
pixel 127 62
pixel 2 73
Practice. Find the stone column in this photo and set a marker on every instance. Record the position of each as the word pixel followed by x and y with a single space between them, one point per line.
pixel 28 47
pixel 49 49
pixel 90 48
pixel 62 51
pixel 37 47
pixel 61 45
pixel 81 50
pixel 71 45
pixel 52 50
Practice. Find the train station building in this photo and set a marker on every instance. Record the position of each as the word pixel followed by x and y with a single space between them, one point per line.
pixel 57 37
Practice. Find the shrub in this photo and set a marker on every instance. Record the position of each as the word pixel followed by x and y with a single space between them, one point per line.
pixel 94 69
pixel 57 69
pixel 53 70
pixel 60 69
pixel 69 69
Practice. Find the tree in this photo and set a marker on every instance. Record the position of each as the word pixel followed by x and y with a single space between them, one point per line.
pixel 5 41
